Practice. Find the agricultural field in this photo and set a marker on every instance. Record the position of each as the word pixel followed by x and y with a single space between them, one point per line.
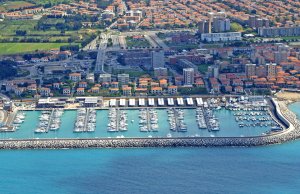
pixel 16 48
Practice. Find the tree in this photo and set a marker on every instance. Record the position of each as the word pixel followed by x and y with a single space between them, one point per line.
pixel 21 32
pixel 8 69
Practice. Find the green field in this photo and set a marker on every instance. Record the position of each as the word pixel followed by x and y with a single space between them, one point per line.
pixel 15 48
pixel 137 43
pixel 13 5
pixel 51 37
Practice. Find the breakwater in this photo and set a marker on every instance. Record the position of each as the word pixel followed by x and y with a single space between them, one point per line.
pixel 286 116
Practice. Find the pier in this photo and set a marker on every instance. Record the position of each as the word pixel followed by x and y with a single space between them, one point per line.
pixel 148 119
pixel 50 120
pixel 176 120
pixel 86 120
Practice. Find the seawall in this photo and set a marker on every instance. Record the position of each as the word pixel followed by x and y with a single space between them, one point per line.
pixel 292 132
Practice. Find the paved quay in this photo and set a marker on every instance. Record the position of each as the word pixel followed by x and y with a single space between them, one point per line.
pixel 292 132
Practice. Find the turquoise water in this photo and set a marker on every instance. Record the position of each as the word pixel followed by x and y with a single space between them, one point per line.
pixel 269 169
pixel 228 126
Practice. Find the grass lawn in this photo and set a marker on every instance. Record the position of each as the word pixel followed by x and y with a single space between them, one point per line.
pixel 14 48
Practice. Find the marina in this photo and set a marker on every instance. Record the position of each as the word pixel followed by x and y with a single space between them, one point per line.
pixel 188 117
pixel 229 133
pixel 153 121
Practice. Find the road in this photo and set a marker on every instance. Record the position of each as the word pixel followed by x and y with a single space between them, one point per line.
pixel 115 42
pixel 99 68
pixel 151 41
pixel 92 45
pixel 122 42
pixel 159 41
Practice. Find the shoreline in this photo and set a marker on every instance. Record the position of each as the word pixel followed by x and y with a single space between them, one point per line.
pixel 291 132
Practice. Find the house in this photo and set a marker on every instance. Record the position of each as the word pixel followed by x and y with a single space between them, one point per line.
pixel 67 91
pixel 45 92
pixel 154 84
pixel 163 83
pixel 239 89
pixel 141 91
pixel 75 77
pixel 114 84
pixel 126 91
pixel 95 90
pixel 32 88
pixel 114 90
pixel 228 89
pixel 80 91
pixel 200 83
pixel 172 90
pixel 56 85
pixel 19 90
pixel 82 85
pixel 156 90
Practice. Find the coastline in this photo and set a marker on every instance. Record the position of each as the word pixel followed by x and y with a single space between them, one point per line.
pixel 291 132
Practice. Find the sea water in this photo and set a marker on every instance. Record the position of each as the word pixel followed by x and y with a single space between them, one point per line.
pixel 266 169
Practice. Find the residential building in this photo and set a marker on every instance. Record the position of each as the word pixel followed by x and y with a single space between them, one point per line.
pixel 123 79
pixel 188 76
pixel 114 84
pixel 261 71
pixel 75 77
pixel 82 85
pixel 126 91
pixel 156 90
pixel 80 91
pixel 221 24
pixel 105 78
pixel 66 91
pixel 213 71
pixel 250 70
pixel 271 69
pixel 45 92
pixel 90 78
pixel 255 21
pixel 95 90
pixel 172 90
pixel 157 59
pixel 204 26
pixel 160 72
pixel 221 37
pixel 114 90
pixel 281 31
